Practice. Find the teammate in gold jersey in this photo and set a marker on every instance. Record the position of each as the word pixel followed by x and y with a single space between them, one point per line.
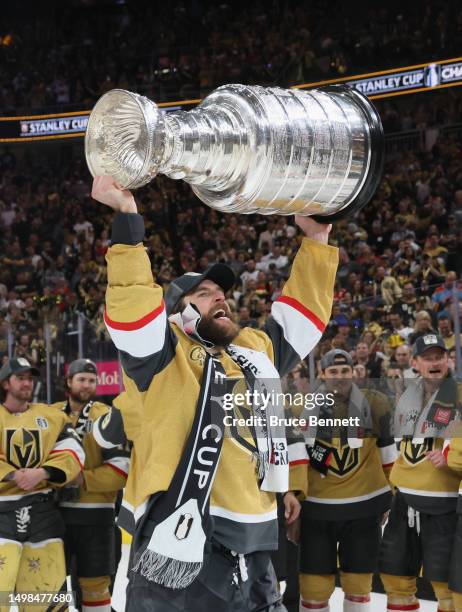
pixel 422 523
pixel 89 515
pixel 39 451
pixel 341 477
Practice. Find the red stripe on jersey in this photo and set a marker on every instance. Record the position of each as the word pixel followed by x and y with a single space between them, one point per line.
pixel 134 325
pixel 299 462
pixel 387 465
pixel 446 452
pixel 303 310
pixel 116 469
pixel 68 450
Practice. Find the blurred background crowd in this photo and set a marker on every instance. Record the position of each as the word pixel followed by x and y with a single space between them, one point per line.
pixel 400 261
pixel 66 55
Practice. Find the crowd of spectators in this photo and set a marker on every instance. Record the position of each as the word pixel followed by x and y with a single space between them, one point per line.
pixel 398 257
pixel 67 54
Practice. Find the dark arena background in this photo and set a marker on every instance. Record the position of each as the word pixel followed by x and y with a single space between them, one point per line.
pixel 400 257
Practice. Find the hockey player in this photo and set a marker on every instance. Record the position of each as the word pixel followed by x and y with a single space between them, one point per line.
pixel 341 477
pixel 451 457
pixel 38 451
pixel 89 516
pixel 422 521
pixel 204 502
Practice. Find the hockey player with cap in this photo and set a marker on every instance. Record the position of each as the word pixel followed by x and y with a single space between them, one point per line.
pixel 39 451
pixel 341 474
pixel 202 493
pixel 451 457
pixel 422 522
pixel 89 515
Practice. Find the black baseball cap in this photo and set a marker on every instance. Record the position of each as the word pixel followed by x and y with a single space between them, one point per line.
pixel 426 342
pixel 80 366
pixel 336 357
pixel 219 273
pixel 17 366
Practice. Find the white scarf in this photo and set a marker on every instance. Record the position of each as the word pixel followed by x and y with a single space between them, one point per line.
pixel 273 457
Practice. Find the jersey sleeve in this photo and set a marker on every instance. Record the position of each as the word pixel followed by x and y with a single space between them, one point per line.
pixel 298 467
pixel 300 315
pixel 135 314
pixel 112 474
pixel 5 467
pixel 382 419
pixel 67 456
pixel 108 430
pixel 453 454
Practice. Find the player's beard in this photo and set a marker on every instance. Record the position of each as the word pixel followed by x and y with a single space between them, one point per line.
pixel 22 395
pixel 81 397
pixel 216 332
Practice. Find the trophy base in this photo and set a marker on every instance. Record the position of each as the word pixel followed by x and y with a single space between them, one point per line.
pixel 376 164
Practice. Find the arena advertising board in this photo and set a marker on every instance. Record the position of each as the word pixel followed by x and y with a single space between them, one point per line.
pixel 59 125
pixel 411 79
pixel 383 84
pixel 109 377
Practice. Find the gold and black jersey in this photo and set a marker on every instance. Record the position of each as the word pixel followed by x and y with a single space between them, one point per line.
pixel 355 484
pixel 37 437
pixel 426 488
pixel 453 453
pixel 105 470
pixel 164 366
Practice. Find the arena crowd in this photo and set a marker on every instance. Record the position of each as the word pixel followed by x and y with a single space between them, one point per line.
pixel 46 62
pixel 398 258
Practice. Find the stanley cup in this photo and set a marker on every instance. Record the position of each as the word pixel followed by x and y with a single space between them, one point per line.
pixel 247 149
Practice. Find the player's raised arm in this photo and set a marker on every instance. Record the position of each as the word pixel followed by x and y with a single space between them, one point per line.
pixel 300 315
pixel 135 312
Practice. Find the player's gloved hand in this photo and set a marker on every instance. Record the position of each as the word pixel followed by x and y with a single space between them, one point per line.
pixel 107 191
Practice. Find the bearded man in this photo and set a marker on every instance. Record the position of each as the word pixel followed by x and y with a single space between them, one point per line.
pixel 88 506
pixel 202 495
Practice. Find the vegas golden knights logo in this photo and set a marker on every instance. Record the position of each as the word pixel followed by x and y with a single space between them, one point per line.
pixel 415 453
pixel 343 460
pixel 23 448
pixel 198 354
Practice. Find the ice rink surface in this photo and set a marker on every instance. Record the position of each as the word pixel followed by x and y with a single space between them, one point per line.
pixel 336 603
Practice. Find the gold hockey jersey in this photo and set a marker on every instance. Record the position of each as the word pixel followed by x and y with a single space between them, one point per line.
pixel 163 369
pixel 105 470
pixel 426 488
pixel 37 437
pixel 453 452
pixel 355 484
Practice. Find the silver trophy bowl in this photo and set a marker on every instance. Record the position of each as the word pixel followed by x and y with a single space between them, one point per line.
pixel 247 149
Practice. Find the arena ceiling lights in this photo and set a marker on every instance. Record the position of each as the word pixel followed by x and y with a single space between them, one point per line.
pixel 376 85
